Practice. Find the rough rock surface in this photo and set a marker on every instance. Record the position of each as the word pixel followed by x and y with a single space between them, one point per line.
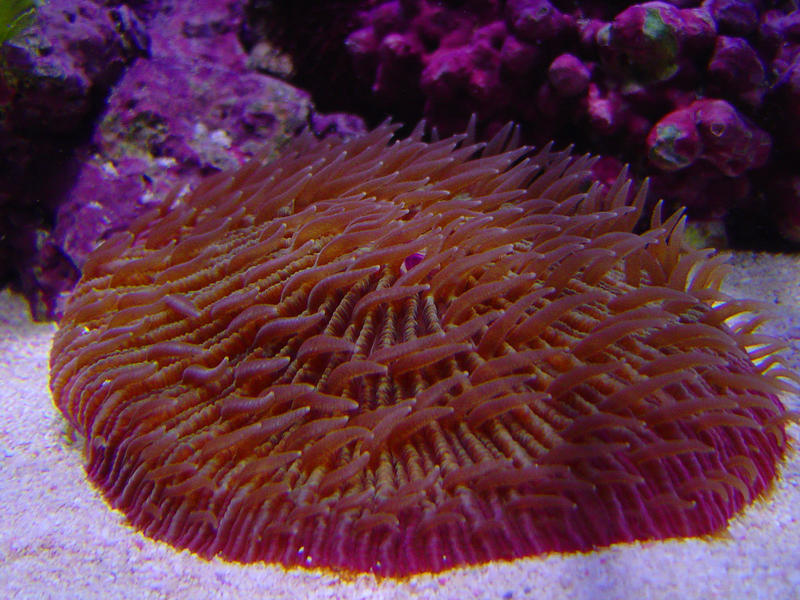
pixel 621 79
pixel 104 106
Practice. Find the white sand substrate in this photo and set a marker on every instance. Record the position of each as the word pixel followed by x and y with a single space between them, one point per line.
pixel 58 539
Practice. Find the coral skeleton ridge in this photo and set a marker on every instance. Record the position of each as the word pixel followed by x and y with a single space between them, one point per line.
pixel 401 356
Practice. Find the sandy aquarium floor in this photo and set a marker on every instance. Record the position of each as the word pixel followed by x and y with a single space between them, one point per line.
pixel 58 539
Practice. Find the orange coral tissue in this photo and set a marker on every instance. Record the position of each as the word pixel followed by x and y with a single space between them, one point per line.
pixel 400 356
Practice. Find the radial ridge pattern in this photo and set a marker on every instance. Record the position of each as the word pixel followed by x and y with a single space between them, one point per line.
pixel 402 356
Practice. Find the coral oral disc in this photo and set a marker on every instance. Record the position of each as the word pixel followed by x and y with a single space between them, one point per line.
pixel 458 356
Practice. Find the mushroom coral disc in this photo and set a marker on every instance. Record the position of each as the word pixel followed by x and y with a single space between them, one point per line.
pixel 400 356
